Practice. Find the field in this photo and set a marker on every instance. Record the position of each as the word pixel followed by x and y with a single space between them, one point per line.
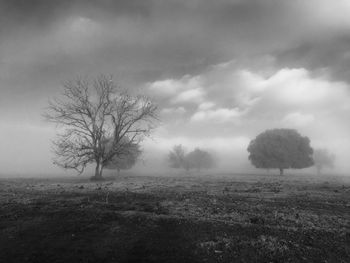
pixel 223 218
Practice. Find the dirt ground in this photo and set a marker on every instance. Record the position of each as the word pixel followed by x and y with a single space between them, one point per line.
pixel 226 218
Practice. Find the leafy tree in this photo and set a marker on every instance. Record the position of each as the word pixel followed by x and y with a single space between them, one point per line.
pixel 280 149
pixel 126 160
pixel 200 159
pixel 89 113
pixel 323 158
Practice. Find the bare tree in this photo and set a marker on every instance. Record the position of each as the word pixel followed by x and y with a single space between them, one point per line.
pixel 93 112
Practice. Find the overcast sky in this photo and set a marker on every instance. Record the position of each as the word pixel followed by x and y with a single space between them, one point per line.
pixel 221 71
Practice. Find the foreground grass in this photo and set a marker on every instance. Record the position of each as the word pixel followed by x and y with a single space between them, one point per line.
pixel 237 218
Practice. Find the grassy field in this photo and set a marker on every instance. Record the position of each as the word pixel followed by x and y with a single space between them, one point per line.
pixel 226 218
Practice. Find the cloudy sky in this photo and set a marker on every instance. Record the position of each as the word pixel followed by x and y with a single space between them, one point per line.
pixel 221 71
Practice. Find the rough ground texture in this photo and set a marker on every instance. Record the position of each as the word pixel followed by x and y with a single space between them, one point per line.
pixel 231 218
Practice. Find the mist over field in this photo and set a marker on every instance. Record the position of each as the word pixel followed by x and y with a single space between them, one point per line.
pixel 174 131
pixel 221 73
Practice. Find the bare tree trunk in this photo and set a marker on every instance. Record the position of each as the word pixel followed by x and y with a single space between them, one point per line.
pixel 98 172
pixel 281 171
pixel 101 170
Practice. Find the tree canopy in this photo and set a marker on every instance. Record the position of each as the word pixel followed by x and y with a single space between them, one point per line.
pixel 280 149
pixel 200 159
pixel 125 161
pixel 90 113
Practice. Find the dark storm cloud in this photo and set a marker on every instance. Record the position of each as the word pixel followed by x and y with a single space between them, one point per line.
pixel 174 37
pixel 143 40
pixel 165 38
pixel 332 54
pixel 45 42
pixel 42 12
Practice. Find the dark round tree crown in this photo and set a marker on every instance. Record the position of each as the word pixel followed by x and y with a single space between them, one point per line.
pixel 280 148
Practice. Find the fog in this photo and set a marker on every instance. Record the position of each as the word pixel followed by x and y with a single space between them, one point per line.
pixel 220 72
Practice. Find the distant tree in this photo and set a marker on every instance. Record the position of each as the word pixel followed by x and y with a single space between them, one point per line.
pixel 200 159
pixel 280 149
pixel 125 161
pixel 323 158
pixel 177 158
pixel 89 113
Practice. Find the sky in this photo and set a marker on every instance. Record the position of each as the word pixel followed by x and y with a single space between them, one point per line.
pixel 221 71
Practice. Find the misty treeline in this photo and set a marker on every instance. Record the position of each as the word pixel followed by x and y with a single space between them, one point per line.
pixel 102 124
pixel 197 159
